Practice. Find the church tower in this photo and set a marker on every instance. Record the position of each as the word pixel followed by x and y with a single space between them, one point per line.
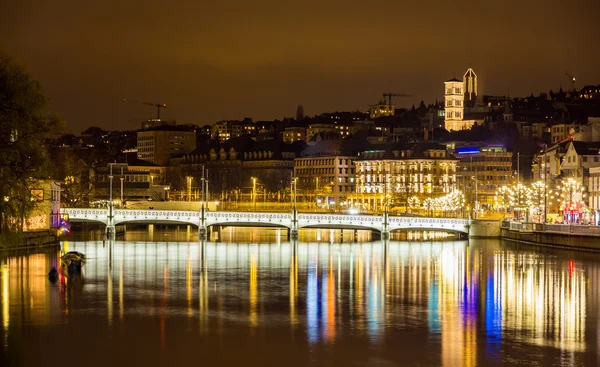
pixel 470 85
pixel 454 106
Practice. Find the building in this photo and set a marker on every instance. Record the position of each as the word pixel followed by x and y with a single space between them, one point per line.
pixel 579 158
pixel 294 133
pixel 225 130
pixel 404 170
pixel 231 166
pixel 314 129
pixel 154 123
pixel 459 97
pixel 548 161
pixel 482 170
pixel 160 144
pixel 470 86
pixel 560 132
pixel 326 171
pixel 137 185
pixel 593 189
pixel 45 213
pixel 454 99
pixel 381 109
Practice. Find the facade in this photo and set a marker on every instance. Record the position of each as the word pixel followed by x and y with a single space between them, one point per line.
pixel 422 170
pixel 560 132
pixel 314 129
pixel 46 211
pixel 547 164
pixel 230 168
pixel 329 177
pixel 381 109
pixel 482 170
pixel 454 103
pixel 593 189
pixel 295 133
pixel 225 130
pixel 459 97
pixel 579 158
pixel 157 146
pixel 138 184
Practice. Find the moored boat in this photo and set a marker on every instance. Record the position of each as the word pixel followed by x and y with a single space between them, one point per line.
pixel 72 262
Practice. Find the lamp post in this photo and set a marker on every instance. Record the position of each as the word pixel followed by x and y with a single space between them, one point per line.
pixel 122 178
pixel 476 198
pixel 189 188
pixel 110 228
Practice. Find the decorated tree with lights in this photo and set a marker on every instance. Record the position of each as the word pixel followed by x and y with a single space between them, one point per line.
pixel 538 197
pixel 570 194
pixel 414 202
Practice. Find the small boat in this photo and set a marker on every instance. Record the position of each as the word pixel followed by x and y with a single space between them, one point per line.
pixel 73 261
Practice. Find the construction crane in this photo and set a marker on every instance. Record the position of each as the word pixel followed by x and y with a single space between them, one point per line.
pixel 157 105
pixel 390 95
pixel 572 78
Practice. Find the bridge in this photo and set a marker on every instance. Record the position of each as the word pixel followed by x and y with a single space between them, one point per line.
pixel 293 221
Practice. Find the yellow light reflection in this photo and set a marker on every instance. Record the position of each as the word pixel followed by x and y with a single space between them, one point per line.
pixel 253 290
pixel 293 290
pixel 5 302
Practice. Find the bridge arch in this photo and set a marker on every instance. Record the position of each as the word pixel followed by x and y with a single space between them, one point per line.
pixel 248 224
pixel 440 229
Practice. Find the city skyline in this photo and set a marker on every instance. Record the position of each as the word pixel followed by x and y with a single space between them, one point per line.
pixel 230 61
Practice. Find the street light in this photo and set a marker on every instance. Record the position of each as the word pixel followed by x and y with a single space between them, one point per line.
pixel 189 188
pixel 475 206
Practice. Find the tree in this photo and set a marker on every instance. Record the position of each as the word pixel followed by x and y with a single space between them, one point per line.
pixel 74 174
pixel 24 130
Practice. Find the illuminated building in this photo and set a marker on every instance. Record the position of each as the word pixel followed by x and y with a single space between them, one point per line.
pixel 327 176
pixel 45 212
pixel 560 132
pixel 314 129
pixel 594 194
pixel 470 85
pixel 295 133
pixel 141 181
pixel 381 109
pixel 413 169
pixel 490 167
pixel 231 165
pixel 225 130
pixel 459 97
pixel 158 145
pixel 454 99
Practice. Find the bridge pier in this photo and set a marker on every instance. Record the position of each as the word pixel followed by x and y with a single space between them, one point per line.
pixel 110 233
pixel 202 233
pixel 385 235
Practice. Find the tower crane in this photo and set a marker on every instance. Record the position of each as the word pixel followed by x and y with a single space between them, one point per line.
pixel 390 95
pixel 157 105
pixel 572 78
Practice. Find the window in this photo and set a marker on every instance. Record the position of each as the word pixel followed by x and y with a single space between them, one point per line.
pixel 585 159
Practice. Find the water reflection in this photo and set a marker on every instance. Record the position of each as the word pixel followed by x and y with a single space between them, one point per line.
pixel 470 303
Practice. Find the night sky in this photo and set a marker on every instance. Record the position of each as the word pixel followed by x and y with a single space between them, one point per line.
pixel 215 60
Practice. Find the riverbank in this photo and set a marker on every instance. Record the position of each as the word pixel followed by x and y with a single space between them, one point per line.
pixel 28 240
pixel 583 238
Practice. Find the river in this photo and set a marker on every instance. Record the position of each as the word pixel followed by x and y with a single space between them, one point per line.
pixel 254 298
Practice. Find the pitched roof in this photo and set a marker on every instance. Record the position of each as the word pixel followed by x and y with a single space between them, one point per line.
pixel 587 147
pixel 453 80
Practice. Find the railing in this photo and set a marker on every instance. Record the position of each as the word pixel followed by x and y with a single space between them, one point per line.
pixel 558 228
pixel 573 229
